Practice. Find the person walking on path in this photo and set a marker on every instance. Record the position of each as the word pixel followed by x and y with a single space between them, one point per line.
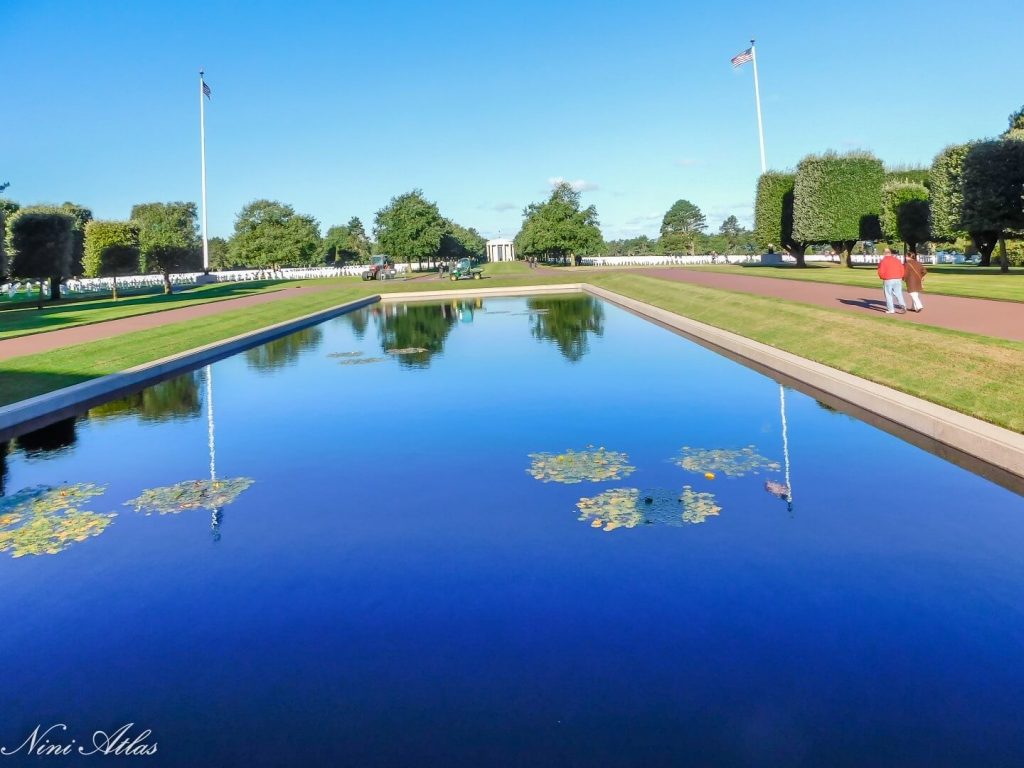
pixel 891 270
pixel 914 273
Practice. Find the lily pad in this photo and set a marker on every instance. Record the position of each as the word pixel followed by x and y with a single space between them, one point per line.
pixel 361 360
pixel 729 462
pixel 45 520
pixel 191 494
pixel 777 489
pixel 630 507
pixel 406 351
pixel 595 465
pixel 345 354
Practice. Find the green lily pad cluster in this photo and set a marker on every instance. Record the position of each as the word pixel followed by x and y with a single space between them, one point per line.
pixel 191 494
pixel 594 465
pixel 630 507
pixel 406 351
pixel 345 354
pixel 45 520
pixel 731 463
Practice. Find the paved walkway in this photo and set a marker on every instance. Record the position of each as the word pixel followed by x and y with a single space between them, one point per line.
pixel 66 337
pixel 999 319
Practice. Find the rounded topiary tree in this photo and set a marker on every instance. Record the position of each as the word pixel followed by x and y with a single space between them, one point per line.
pixel 111 249
pixel 773 214
pixel 905 213
pixel 993 182
pixel 40 245
pixel 838 199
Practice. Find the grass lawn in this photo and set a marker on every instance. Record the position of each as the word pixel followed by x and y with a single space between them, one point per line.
pixel 976 375
pixel 20 320
pixel 949 279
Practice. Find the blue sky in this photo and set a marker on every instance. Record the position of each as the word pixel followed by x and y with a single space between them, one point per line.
pixel 336 107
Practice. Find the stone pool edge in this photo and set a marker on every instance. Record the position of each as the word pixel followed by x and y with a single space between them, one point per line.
pixel 995 446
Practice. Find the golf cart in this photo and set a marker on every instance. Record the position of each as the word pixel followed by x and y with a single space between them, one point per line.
pixel 464 268
pixel 381 268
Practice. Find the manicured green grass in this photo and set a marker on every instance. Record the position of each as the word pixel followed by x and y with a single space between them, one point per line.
pixel 977 375
pixel 21 320
pixel 949 279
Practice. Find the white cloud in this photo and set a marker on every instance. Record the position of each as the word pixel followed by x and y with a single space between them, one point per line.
pixel 580 185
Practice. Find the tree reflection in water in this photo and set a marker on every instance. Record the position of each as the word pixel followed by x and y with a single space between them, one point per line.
pixel 52 439
pixel 567 321
pixel 285 351
pixel 176 398
pixel 416 326
pixel 358 320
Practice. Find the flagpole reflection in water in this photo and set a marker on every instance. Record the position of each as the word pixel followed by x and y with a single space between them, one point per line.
pixel 785 446
pixel 211 438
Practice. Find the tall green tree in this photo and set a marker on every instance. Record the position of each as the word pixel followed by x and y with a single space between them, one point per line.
pixel 409 227
pixel 347 244
pixel 993 181
pixel 459 242
pixel 220 258
pixel 1014 131
pixel 905 213
pixel 631 246
pixel 82 216
pixel 40 244
pixel 773 215
pixel 559 227
pixel 682 225
pixel 838 199
pixel 272 234
pixel 7 209
pixel 168 238
pixel 111 249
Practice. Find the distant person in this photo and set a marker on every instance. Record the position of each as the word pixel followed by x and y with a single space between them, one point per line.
pixel 914 273
pixel 891 271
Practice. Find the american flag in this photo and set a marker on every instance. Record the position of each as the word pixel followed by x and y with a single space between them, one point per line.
pixel 206 90
pixel 743 57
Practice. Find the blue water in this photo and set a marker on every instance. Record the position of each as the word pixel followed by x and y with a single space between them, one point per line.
pixel 395 589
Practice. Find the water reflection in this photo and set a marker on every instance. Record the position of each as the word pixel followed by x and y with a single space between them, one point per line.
pixel 176 398
pixel 285 351
pixel 4 448
pixel 52 439
pixel 358 320
pixel 567 321
pixel 423 327
pixel 630 507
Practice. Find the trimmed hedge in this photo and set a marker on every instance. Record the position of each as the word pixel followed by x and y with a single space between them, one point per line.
pixel 905 213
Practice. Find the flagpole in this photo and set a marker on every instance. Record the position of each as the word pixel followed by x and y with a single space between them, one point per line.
pixel 202 152
pixel 757 100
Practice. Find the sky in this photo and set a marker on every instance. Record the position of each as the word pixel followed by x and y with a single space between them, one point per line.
pixel 334 108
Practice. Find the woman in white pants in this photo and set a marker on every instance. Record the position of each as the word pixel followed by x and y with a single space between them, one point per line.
pixel 913 275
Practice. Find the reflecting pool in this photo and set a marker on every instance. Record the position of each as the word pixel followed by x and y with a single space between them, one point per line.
pixel 506 532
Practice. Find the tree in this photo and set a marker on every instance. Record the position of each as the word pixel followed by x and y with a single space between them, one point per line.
pixel 837 200
pixel 409 227
pixel 1014 131
pixel 459 242
pixel 559 228
pixel 993 179
pixel 111 249
pixel 82 216
pixel 40 244
pixel 7 209
pixel 347 244
pixel 632 246
pixel 168 238
pixel 905 213
pixel 272 234
pixel 682 225
pixel 773 215
pixel 220 258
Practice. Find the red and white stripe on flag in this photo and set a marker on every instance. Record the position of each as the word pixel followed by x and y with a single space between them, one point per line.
pixel 743 57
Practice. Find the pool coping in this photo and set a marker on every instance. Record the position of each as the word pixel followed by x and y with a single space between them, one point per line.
pixel 986 449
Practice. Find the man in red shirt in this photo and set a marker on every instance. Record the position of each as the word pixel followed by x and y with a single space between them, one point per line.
pixel 891 270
